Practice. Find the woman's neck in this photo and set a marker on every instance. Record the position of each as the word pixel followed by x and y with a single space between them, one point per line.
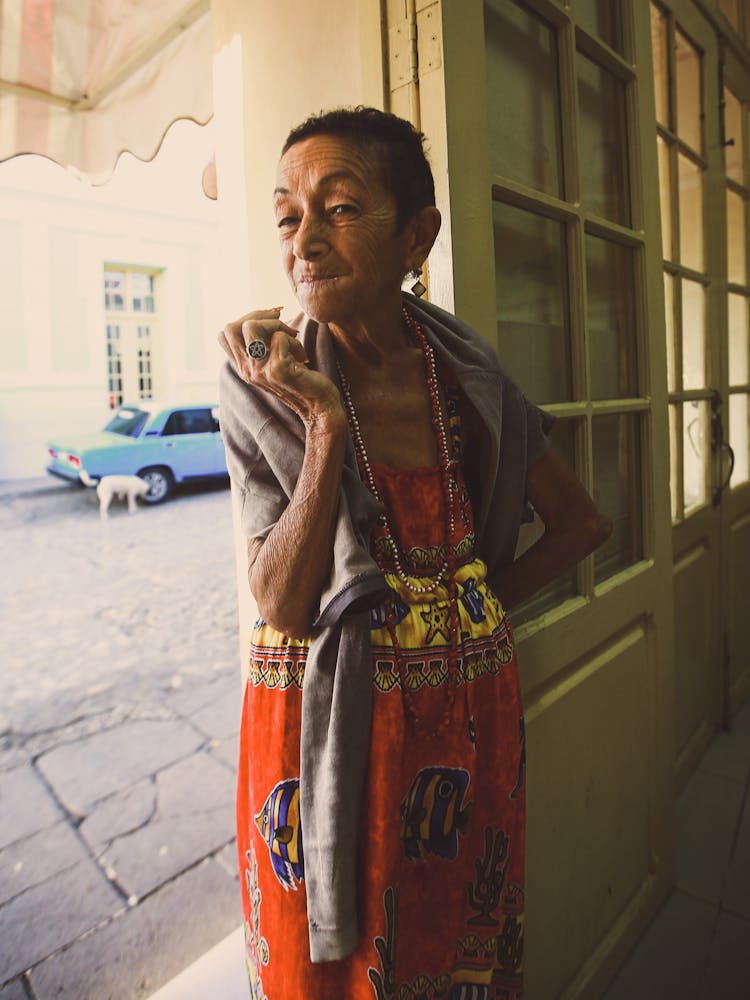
pixel 378 341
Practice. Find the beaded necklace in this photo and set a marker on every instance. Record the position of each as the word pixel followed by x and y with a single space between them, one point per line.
pixel 447 477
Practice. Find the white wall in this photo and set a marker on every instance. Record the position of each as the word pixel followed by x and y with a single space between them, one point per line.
pixel 56 235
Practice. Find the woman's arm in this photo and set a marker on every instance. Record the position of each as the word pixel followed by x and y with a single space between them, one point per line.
pixel 288 569
pixel 573 527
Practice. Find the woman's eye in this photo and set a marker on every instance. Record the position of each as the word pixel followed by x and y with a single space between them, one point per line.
pixel 286 221
pixel 343 209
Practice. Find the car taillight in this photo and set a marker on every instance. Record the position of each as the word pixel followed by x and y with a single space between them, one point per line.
pixel 74 461
pixel 52 452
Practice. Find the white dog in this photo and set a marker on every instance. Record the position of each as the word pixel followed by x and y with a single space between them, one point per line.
pixel 110 487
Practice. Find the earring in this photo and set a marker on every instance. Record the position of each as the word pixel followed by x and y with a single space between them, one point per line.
pixel 417 288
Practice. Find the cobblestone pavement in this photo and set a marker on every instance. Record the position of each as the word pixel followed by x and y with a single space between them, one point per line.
pixel 119 714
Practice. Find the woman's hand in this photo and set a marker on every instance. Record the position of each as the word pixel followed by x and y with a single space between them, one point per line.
pixel 283 371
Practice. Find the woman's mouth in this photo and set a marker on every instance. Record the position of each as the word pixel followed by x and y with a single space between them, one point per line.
pixel 316 279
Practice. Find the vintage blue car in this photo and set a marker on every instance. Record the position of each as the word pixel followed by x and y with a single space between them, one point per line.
pixel 162 444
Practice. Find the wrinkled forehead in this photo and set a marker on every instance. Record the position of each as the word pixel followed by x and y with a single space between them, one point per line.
pixel 328 160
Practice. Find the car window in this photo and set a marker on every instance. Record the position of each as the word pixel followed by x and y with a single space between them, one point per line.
pixel 191 422
pixel 127 421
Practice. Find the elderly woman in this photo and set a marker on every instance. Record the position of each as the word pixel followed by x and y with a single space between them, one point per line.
pixel 384 462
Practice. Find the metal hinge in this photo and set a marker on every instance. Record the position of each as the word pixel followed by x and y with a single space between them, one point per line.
pixel 402 53
pixel 415 44
pixel 429 37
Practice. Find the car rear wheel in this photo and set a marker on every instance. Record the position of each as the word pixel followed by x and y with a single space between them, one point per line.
pixel 160 484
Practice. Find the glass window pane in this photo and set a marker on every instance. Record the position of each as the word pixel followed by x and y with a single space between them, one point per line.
pixel 690 180
pixel 665 198
pixel 659 55
pixel 674 465
pixel 611 318
pixel 693 335
pixel 696 448
pixel 114 290
pixel 563 441
pixel 532 306
pixel 733 150
pixel 739 341
pixel 142 291
pixel 736 266
pixel 524 116
pixel 738 437
pixel 617 490
pixel 669 318
pixel 603 142
pixel 600 18
pixel 689 105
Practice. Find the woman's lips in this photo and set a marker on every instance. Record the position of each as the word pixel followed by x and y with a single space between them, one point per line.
pixel 314 279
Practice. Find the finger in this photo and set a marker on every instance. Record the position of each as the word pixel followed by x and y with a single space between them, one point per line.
pixel 237 355
pixel 272 313
pixel 287 346
pixel 233 330
pixel 251 329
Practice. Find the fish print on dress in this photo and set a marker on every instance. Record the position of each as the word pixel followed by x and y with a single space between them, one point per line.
pixel 433 813
pixel 378 615
pixel 473 600
pixel 279 825
pixel 469 991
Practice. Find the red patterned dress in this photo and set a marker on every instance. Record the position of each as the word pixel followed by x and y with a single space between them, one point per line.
pixel 441 842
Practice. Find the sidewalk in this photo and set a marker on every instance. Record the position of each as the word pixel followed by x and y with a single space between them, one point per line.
pixel 119 715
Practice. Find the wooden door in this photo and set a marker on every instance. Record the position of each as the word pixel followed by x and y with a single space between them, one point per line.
pixel 703 179
pixel 685 66
pixel 540 122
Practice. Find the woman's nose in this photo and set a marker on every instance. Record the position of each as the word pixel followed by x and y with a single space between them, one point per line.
pixel 309 240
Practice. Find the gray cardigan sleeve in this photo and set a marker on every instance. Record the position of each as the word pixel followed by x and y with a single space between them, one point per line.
pixel 264 492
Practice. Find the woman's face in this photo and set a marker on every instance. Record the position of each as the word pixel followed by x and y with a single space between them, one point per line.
pixel 337 227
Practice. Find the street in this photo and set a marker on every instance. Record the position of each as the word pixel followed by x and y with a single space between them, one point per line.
pixel 119 713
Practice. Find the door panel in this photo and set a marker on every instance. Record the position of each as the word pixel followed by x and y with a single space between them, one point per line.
pixel 575 895
pixel 685 54
pixel 708 327
pixel 694 630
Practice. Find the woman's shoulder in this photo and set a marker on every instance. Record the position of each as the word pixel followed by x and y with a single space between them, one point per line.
pixel 465 344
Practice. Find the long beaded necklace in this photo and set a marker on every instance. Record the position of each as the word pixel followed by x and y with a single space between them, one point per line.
pixel 447 477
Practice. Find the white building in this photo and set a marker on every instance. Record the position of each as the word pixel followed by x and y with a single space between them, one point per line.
pixel 107 294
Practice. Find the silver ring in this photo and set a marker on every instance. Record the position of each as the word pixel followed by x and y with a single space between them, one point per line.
pixel 257 350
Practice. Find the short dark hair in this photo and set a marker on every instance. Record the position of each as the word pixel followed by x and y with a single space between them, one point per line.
pixel 398 145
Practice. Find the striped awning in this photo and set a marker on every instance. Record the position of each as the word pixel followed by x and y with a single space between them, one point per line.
pixel 83 80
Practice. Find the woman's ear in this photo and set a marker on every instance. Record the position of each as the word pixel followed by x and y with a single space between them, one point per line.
pixel 424 228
